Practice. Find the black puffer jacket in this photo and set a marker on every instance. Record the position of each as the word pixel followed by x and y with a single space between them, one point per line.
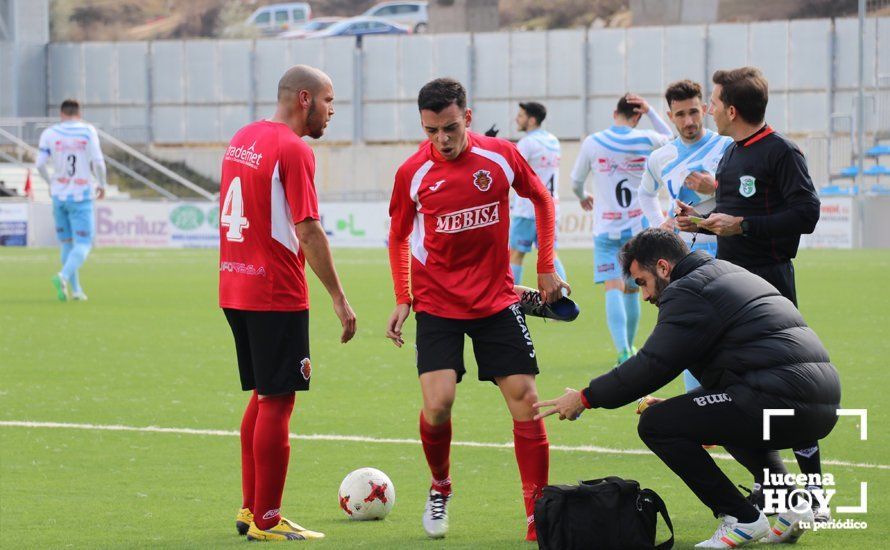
pixel 735 333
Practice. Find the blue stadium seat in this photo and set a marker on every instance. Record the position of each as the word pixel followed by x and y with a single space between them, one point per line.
pixel 849 172
pixel 877 170
pixel 878 151
pixel 838 190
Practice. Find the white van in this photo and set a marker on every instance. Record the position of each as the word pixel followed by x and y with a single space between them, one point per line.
pixel 278 18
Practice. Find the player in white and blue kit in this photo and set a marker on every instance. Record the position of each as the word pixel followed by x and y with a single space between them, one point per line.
pixel 617 157
pixel 685 167
pixel 542 151
pixel 73 147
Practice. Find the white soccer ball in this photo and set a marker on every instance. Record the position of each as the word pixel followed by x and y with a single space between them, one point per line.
pixel 367 493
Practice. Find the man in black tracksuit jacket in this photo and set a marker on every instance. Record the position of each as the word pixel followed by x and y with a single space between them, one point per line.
pixel 749 347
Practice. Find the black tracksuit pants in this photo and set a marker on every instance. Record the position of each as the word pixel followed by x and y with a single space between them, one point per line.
pixel 781 276
pixel 676 429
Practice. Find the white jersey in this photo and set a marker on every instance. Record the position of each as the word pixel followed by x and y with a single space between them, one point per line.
pixel 669 166
pixel 74 147
pixel 541 150
pixel 617 158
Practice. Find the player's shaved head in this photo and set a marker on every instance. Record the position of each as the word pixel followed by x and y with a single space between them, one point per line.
pixel 305 100
pixel 299 78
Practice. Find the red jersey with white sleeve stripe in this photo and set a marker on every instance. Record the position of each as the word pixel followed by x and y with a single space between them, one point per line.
pixel 457 215
pixel 268 185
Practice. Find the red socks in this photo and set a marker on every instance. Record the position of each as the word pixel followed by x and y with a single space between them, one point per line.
pixel 271 451
pixel 437 448
pixel 533 457
pixel 247 425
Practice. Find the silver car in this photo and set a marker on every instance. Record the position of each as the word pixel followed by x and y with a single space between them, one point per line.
pixel 411 14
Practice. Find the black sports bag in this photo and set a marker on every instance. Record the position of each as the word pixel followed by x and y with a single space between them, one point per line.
pixel 609 513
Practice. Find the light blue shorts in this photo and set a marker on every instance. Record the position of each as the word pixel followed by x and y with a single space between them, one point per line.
pixel 74 220
pixel 524 234
pixel 606 266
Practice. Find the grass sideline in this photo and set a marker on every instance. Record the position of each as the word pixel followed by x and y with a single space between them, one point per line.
pixel 150 348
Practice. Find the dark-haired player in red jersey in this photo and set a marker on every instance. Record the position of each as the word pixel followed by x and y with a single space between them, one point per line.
pixel 452 199
pixel 269 226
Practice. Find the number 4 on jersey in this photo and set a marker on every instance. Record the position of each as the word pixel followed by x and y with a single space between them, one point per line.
pixel 232 215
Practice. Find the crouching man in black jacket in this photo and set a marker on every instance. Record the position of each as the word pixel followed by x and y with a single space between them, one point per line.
pixel 751 350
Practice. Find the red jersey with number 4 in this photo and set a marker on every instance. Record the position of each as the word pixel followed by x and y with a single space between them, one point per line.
pixel 267 186
pixel 457 214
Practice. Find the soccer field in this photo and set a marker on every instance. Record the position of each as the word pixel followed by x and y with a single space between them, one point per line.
pixel 151 349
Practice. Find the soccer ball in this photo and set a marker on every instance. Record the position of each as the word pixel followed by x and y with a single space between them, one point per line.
pixel 367 493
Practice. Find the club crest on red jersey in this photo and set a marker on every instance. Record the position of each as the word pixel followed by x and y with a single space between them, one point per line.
pixel 306 368
pixel 482 180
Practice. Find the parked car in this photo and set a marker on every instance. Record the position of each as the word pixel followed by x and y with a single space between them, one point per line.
pixel 361 26
pixel 277 18
pixel 313 25
pixel 411 14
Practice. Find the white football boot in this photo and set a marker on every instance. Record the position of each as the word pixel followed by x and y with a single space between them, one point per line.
pixel 786 527
pixel 435 515
pixel 732 533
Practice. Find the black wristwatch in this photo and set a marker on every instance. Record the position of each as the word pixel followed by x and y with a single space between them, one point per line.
pixel 746 227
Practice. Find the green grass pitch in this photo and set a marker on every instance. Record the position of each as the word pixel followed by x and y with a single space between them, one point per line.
pixel 151 348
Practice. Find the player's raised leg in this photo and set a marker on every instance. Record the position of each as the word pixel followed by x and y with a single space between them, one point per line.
pixel 529 441
pixel 439 388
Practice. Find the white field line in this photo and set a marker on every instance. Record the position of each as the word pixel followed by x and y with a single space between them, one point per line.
pixel 377 440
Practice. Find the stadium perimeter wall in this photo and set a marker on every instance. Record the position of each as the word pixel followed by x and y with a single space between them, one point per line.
pixel 194 224
pixel 185 95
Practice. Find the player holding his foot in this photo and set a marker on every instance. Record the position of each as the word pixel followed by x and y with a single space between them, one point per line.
pixel 451 198
pixel 73 146
pixel 269 227
pixel 542 151
pixel 617 156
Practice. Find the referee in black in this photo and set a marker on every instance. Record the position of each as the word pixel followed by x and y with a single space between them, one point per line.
pixel 765 202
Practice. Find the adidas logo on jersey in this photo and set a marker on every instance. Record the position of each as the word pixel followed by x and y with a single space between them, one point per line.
pixel 468 218
pixel 246 156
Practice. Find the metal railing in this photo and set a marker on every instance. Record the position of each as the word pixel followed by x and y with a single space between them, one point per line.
pixel 28 129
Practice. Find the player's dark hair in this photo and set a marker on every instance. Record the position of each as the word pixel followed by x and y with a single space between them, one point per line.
pixel 438 94
pixel 652 245
pixel 747 90
pixel 534 110
pixel 625 109
pixel 70 107
pixel 681 91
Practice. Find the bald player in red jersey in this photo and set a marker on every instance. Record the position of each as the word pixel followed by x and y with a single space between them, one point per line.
pixel 451 198
pixel 269 227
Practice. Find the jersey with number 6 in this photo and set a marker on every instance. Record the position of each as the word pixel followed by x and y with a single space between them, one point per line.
pixel 617 158
pixel 267 186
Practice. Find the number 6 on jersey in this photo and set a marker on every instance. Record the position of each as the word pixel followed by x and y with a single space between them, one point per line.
pixel 232 215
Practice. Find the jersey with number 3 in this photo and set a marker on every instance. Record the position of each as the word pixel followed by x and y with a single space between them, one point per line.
pixel 541 150
pixel 617 158
pixel 268 185
pixel 73 146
